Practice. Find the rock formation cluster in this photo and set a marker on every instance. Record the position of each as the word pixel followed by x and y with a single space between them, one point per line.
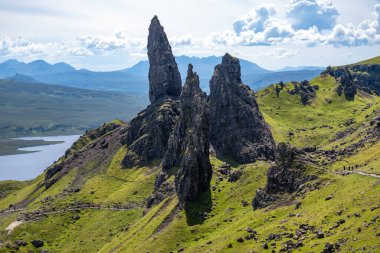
pixel 179 125
pixel 353 77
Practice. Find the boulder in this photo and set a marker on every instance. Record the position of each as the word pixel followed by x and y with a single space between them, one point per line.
pixel 37 243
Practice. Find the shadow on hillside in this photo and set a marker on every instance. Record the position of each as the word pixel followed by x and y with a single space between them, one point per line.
pixel 197 210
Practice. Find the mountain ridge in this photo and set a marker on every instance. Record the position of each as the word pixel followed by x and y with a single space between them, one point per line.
pixel 134 79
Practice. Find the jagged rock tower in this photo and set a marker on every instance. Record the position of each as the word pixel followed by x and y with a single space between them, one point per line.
pixel 238 129
pixel 189 143
pixel 148 134
pixel 164 77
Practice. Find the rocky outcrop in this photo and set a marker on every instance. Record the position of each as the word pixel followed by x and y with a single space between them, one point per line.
pixel 189 143
pixel 286 176
pixel 365 77
pixel 148 134
pixel 164 77
pixel 238 129
pixel 306 91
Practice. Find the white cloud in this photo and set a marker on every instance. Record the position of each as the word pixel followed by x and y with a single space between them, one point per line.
pixel 377 14
pixel 84 46
pixel 281 52
pixel 105 44
pixel 308 13
pixel 255 20
pixel 366 33
pixel 258 27
pixel 261 27
pixel 185 40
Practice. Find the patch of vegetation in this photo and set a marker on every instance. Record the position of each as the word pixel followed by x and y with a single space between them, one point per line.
pixel 9 186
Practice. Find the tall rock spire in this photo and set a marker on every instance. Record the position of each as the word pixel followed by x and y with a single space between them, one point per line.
pixel 188 147
pixel 238 129
pixel 164 76
pixel 148 133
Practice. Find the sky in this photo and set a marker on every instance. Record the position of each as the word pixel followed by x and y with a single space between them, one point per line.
pixel 111 35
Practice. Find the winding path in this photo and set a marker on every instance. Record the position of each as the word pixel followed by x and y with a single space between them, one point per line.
pixel 17 223
pixel 367 174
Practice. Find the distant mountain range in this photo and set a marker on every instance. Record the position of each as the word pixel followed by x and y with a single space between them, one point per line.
pixel 135 79
pixel 66 75
pixel 289 68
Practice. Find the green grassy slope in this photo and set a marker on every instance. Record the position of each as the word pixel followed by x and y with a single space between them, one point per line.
pixel 120 222
pixel 164 228
pixel 318 123
pixel 375 60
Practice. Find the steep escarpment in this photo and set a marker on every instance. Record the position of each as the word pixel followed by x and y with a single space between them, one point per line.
pixel 355 77
pixel 148 134
pixel 238 129
pixel 190 141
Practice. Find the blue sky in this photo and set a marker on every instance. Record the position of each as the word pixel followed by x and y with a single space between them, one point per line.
pixel 109 35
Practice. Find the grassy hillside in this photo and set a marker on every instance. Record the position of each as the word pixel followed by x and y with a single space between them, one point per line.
pixel 316 124
pixel 164 228
pixel 108 212
pixel 375 60
pixel 42 109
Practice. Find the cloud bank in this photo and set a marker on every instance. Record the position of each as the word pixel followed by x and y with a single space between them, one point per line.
pixel 310 22
pixel 306 22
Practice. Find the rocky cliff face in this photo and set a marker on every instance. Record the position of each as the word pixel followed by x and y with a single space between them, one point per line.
pixel 286 176
pixel 238 129
pixel 164 77
pixel 148 134
pixel 189 143
pixel 353 77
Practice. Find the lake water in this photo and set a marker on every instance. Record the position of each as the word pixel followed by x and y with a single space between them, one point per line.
pixel 29 166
